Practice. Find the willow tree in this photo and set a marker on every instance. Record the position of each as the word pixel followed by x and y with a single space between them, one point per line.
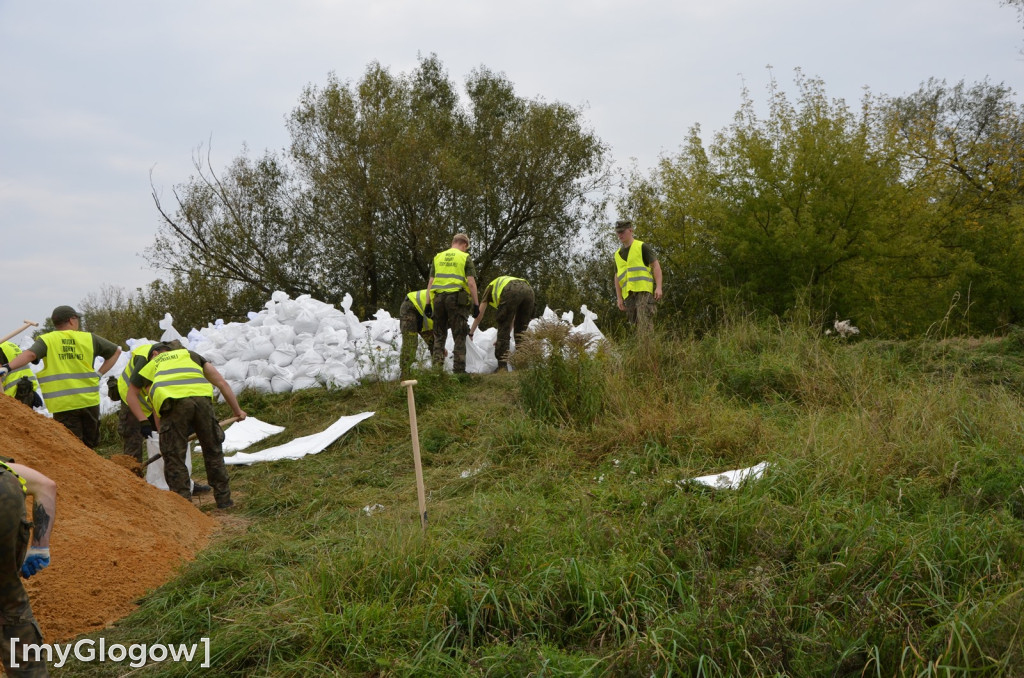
pixel 379 175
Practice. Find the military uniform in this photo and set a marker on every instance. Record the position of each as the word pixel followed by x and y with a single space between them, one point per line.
pixel 183 397
pixel 15 612
pixel 131 437
pixel 513 302
pixel 69 381
pixel 636 278
pixel 414 323
pixel 452 304
pixel 12 383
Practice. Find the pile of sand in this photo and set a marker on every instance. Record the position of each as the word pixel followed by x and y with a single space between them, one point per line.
pixel 114 538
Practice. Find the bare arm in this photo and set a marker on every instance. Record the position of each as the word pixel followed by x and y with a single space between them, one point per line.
pixel 618 293
pixel 22 359
pixel 44 509
pixel 109 362
pixel 218 380
pixel 656 270
pixel 471 281
pixel 478 318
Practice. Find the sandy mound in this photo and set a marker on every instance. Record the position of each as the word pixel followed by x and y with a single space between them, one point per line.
pixel 115 537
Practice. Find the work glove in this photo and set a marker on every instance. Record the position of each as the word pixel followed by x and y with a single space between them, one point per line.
pixel 37 559
pixel 476 311
pixel 145 428
pixel 428 311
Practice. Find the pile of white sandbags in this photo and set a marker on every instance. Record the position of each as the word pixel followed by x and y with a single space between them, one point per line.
pixel 294 344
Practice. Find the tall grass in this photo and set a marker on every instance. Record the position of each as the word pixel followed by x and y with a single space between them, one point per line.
pixel 885 539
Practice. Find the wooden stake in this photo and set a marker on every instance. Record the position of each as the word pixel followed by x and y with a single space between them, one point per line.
pixel 420 492
pixel 28 324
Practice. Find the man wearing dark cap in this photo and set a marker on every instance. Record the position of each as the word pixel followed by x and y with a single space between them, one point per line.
pixel 180 384
pixel 69 380
pixel 637 278
pixel 452 287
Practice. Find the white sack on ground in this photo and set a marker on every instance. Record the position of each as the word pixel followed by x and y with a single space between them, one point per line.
pixel 731 480
pixel 300 447
pixel 249 431
pixel 155 471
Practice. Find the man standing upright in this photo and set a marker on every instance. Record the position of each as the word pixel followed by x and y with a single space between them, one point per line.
pixel 637 278
pixel 452 287
pixel 69 381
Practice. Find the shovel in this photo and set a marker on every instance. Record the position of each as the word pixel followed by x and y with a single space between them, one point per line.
pixel 226 422
pixel 28 324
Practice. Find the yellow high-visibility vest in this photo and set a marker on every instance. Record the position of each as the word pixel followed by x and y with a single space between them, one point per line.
pixel 449 272
pixel 175 375
pixel 68 379
pixel 24 487
pixel 126 378
pixel 632 275
pixel 9 384
pixel 419 300
pixel 498 285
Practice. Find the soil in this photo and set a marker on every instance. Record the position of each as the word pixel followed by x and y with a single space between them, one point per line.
pixel 114 538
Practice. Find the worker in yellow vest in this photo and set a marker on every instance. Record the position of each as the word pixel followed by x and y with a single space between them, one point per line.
pixel 637 278
pixel 69 380
pixel 181 386
pixel 415 318
pixel 24 556
pixel 454 298
pixel 513 302
pixel 132 441
pixel 20 384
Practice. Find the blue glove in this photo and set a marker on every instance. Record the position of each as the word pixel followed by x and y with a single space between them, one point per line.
pixel 3 371
pixel 37 559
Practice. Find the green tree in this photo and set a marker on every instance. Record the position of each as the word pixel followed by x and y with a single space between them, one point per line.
pixel 379 175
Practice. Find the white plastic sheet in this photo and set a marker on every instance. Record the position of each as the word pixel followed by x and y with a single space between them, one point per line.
pixel 249 431
pixel 301 447
pixel 731 480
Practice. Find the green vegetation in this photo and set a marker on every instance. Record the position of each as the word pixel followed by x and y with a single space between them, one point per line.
pixel 886 538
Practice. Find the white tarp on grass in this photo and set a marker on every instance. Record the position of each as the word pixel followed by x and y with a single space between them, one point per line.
pixel 249 431
pixel 300 447
pixel 730 480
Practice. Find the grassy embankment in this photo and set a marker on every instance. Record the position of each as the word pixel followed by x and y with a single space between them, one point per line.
pixel 886 539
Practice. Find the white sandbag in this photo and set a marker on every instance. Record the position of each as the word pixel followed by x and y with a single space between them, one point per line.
pixel 282 356
pixel 258 383
pixel 167 325
pixel 280 384
pixel 478 359
pixel 305 321
pixel 155 471
pixel 588 326
pixel 282 335
pixel 259 348
pixel 234 370
pixel 301 382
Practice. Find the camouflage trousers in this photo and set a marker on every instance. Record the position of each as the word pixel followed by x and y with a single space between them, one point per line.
pixel 451 312
pixel 131 437
pixel 514 314
pixel 640 310
pixel 15 612
pixel 179 417
pixel 83 422
pixel 411 323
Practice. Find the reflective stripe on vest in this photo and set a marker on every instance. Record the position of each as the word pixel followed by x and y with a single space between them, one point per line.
pixel 498 285
pixel 632 275
pixel 141 351
pixel 175 375
pixel 450 272
pixel 68 379
pixel 419 301
pixel 9 384
pixel 3 465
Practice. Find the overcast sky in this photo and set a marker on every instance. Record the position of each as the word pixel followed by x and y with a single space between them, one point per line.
pixel 94 96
